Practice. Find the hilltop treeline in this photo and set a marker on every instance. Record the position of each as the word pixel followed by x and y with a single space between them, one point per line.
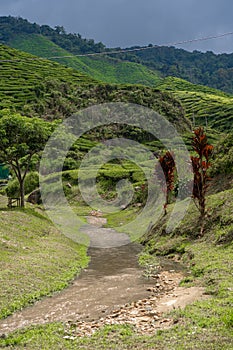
pixel 13 26
pixel 197 67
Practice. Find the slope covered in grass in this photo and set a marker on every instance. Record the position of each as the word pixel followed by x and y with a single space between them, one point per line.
pixel 36 259
pixel 203 105
pixel 25 81
pixel 35 86
pixel 205 68
pixel 104 69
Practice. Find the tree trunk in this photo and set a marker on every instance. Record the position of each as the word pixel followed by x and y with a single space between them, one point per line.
pixel 22 201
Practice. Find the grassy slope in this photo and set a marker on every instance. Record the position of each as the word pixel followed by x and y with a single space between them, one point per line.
pixel 102 69
pixel 223 156
pixel 35 259
pixel 21 82
pixel 45 88
pixel 203 103
pixel 206 324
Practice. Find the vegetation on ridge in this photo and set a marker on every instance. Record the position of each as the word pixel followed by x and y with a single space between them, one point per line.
pixel 214 70
pixel 101 68
pixel 37 87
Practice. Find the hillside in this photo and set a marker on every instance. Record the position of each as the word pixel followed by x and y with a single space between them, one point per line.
pixel 209 69
pixel 104 69
pixel 203 105
pixel 27 84
pixel 29 268
pixel 40 87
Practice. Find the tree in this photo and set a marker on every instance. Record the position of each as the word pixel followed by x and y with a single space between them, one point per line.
pixel 20 139
pixel 166 172
pixel 60 30
pixel 201 164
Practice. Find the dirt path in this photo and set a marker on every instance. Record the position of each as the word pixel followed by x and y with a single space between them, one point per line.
pixel 113 286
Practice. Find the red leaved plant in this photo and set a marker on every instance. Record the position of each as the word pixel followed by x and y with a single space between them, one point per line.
pixel 201 164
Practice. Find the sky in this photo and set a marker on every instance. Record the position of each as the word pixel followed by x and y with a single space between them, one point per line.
pixel 126 23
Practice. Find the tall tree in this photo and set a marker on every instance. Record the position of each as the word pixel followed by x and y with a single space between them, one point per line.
pixel 21 138
pixel 165 171
pixel 201 164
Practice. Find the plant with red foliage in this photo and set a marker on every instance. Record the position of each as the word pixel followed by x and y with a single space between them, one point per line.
pixel 201 164
pixel 166 172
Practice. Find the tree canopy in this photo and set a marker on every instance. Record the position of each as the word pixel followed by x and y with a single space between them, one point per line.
pixel 20 139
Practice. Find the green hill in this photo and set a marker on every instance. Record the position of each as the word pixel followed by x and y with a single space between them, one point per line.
pixel 203 105
pixel 27 84
pixel 41 87
pixel 35 86
pixel 209 69
pixel 104 69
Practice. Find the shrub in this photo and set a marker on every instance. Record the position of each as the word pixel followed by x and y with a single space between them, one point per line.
pixel 31 183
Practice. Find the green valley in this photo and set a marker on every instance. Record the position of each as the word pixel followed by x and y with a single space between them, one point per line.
pixel 38 261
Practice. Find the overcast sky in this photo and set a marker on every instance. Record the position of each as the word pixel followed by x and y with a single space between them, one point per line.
pixel 127 23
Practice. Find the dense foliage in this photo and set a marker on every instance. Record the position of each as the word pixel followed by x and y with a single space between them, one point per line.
pixel 214 70
pixel 20 139
pixel 11 26
pixel 223 156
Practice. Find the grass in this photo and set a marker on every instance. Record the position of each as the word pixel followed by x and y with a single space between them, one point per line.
pixel 203 105
pixel 32 85
pixel 206 324
pixel 104 69
pixel 122 217
pixel 35 86
pixel 36 260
